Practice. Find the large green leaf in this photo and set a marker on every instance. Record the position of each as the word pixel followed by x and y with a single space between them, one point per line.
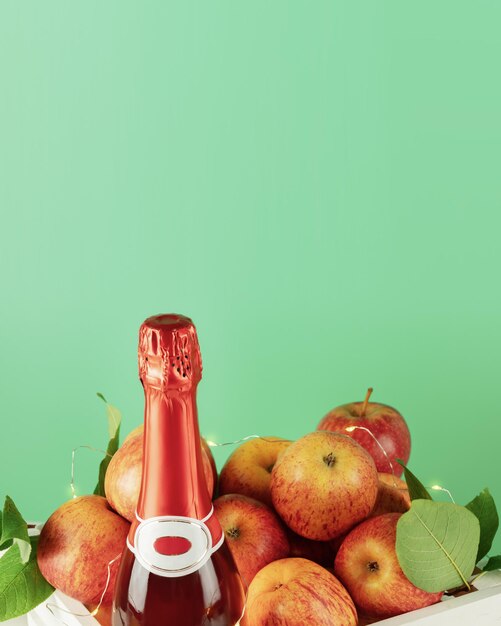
pixel 484 507
pixel 493 563
pixel 417 491
pixel 437 544
pixel 114 421
pixel 14 530
pixel 22 586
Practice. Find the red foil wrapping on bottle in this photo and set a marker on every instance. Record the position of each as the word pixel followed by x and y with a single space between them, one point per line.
pixel 173 480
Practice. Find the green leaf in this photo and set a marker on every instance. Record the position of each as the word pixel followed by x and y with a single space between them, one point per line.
pixel 114 421
pixel 417 491
pixel 493 563
pixel 484 508
pixel 437 545
pixel 22 586
pixel 14 530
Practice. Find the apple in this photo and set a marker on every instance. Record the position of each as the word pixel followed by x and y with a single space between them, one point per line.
pixel 206 451
pixel 76 545
pixel 248 469
pixel 367 565
pixel 324 484
pixel 392 497
pixel 389 431
pixel 253 532
pixel 297 592
pixel 123 476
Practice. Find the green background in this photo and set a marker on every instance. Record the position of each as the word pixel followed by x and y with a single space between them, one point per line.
pixel 315 183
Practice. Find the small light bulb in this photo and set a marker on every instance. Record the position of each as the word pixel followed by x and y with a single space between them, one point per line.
pixel 350 429
pixel 440 488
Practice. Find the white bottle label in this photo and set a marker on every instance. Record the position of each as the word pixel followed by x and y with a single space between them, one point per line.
pixel 173 546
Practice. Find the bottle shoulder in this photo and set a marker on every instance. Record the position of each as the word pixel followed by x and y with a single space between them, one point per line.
pixel 212 595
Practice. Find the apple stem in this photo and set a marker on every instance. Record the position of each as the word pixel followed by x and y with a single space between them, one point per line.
pixel 366 401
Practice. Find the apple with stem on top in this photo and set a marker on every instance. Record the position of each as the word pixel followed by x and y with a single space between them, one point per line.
pixel 379 428
pixel 77 545
pixel 253 533
pixel 324 484
pixel 297 592
pixel 367 565
pixel 248 469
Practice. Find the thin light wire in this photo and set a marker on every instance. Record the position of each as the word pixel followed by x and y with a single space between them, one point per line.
pixel 439 488
pixel 51 607
pixel 73 455
pixel 475 578
pixel 350 429
pixel 213 444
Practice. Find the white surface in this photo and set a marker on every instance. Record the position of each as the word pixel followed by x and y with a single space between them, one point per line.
pixel 480 608
pixel 60 605
pixel 60 613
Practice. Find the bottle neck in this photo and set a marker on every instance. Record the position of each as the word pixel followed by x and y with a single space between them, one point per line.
pixel 173 480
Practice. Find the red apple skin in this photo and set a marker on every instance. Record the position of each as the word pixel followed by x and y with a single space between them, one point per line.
pixel 384 422
pixel 393 495
pixel 367 565
pixel 298 592
pixel 208 452
pixel 323 485
pixel 123 476
pixel 253 532
pixel 248 469
pixel 76 544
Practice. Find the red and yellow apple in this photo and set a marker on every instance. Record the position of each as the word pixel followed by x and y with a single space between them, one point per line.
pixel 392 497
pixel 389 431
pixel 248 469
pixel 367 565
pixel 253 533
pixel 297 592
pixel 76 545
pixel 123 476
pixel 323 485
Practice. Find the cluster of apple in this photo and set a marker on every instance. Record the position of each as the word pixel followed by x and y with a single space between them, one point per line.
pixel 311 524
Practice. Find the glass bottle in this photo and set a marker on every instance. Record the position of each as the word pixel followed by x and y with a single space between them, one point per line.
pixel 176 569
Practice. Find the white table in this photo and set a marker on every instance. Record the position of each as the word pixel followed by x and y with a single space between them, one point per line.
pixel 480 608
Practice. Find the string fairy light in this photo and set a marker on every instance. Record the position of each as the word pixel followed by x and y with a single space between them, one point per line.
pixel 350 429
pixel 73 458
pixel 51 607
pixel 440 488
pixel 214 444
pixel 54 608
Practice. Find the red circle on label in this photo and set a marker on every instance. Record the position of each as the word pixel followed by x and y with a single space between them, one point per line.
pixel 172 546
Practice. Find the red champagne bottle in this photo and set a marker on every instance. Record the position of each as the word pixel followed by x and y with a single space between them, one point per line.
pixel 176 569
